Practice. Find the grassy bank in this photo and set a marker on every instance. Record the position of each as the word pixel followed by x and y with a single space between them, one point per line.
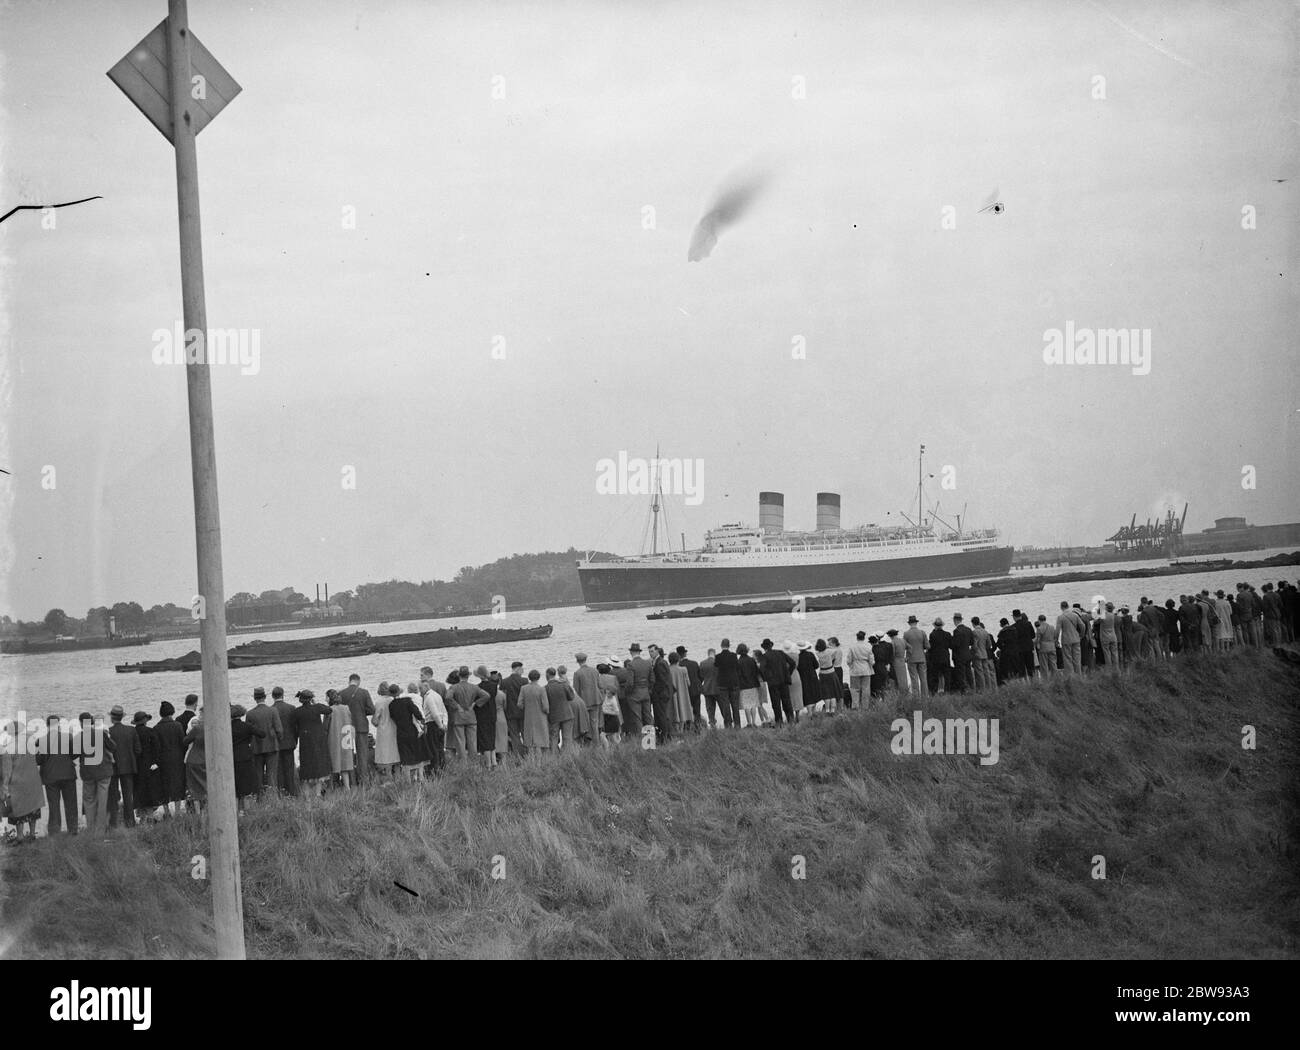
pixel 686 851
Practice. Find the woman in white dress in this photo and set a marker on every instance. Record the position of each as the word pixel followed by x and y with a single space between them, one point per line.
pixel 386 753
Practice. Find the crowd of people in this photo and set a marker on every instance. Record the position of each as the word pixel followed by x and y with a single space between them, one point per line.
pixel 135 770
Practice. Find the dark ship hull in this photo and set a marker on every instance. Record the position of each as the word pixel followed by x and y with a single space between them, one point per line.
pixel 621 585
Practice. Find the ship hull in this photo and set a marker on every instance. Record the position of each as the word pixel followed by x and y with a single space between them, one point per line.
pixel 632 584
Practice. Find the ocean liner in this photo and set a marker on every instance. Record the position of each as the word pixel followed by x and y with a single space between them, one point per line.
pixel 741 561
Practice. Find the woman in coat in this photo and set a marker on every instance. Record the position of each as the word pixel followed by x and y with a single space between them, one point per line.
pixel 681 679
pixel 808 678
pixel 148 776
pixel 385 734
pixel 241 741
pixel 537 726
pixel 311 722
pixel 503 727
pixel 342 739
pixel 171 757
pixel 21 792
pixel 196 763
pixel 408 723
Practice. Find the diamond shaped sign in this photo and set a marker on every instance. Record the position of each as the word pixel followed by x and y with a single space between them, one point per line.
pixel 142 76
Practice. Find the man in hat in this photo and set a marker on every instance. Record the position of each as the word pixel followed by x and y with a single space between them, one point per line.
pixel 121 789
pixel 266 749
pixel 982 648
pixel 1045 639
pixel 861 663
pixel 287 772
pixel 938 664
pixel 462 699
pixel 586 683
pixel 963 653
pixel 361 708
pixel 512 685
pixel 640 697
pixel 1024 642
pixel 1069 632
pixel 709 687
pixel 775 667
pixel 726 665
pixel 917 647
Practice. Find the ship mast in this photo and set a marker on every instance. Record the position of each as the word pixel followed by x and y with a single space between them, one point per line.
pixel 655 483
pixel 920 512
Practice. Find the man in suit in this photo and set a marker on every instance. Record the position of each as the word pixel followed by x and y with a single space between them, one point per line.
pixel 726 666
pixel 696 684
pixel 775 667
pixel 661 695
pixel 266 748
pixel 286 775
pixel 361 707
pixel 917 646
pixel 1045 638
pixel 709 687
pixel 511 685
pixel 963 653
pixel 559 711
pixel 126 755
pixel 982 645
pixel 187 716
pixel 882 652
pixel 96 755
pixel 640 695
pixel 1026 638
pixel 586 683
pixel 1069 630
pixel 860 660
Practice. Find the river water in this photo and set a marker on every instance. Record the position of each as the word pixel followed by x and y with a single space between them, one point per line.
pixel 67 683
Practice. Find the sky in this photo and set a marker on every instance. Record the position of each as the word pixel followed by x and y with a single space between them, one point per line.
pixel 514 304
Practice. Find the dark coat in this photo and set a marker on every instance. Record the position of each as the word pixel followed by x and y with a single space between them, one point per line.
pixel 747 668
pixel 56 761
pixel 808 680
pixel 661 681
pixel 1025 635
pixel 693 676
pixel 241 739
pixel 726 666
pixel 963 643
pixel 127 753
pixel 940 647
pixel 288 738
pixel 511 685
pixel 148 780
pixel 311 724
pixel 171 758
pixel 407 720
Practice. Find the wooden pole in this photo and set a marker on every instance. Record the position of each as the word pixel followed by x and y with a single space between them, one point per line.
pixel 223 827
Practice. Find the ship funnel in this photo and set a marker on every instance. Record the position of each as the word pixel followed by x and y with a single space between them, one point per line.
pixel 771 511
pixel 828 511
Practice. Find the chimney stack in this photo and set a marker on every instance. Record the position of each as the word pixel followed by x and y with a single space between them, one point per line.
pixel 828 511
pixel 771 512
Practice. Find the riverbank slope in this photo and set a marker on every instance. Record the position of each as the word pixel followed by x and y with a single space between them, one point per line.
pixel 690 851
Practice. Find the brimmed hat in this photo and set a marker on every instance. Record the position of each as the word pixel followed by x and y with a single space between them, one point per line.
pixel 635 647
pixel 911 619
pixel 259 693
pixel 938 621
pixel 140 716
pixel 304 694
pixel 805 645
pixel 116 709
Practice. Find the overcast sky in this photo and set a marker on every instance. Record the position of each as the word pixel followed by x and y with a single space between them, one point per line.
pixel 525 218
